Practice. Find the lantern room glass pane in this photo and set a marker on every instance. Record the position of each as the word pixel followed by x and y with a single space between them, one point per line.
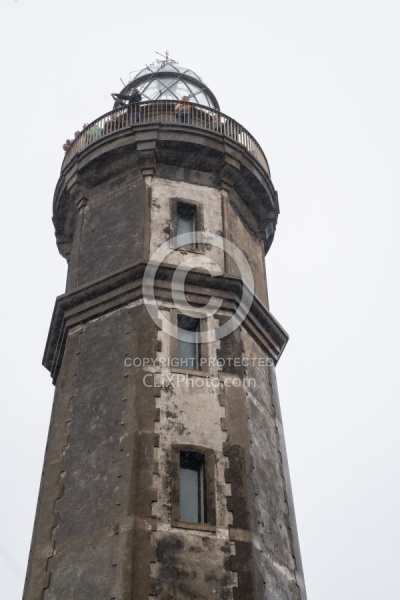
pixel 172 82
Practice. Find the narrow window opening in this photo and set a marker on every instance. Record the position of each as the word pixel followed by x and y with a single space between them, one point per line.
pixel 186 225
pixel 189 342
pixel 192 488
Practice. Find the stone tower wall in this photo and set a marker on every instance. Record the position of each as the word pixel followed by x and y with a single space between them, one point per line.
pixel 107 524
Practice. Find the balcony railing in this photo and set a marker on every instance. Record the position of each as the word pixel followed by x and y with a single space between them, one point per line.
pixel 164 111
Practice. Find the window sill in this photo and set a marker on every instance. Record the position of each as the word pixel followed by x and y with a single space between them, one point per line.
pixel 190 372
pixel 199 249
pixel 194 526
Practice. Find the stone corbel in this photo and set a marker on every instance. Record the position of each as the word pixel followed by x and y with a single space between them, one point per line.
pixel 78 195
pixel 146 151
pixel 229 172
pixel 78 192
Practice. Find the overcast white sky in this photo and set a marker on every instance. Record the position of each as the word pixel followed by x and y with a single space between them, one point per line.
pixel 317 84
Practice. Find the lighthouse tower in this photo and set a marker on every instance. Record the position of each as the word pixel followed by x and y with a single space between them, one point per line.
pixel 165 474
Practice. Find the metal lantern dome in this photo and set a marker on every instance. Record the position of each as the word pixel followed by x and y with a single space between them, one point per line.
pixel 166 80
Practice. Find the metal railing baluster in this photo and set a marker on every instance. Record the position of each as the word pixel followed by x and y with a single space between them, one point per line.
pixel 163 111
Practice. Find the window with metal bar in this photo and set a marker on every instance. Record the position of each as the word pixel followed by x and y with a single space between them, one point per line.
pixel 186 225
pixel 192 496
pixel 189 342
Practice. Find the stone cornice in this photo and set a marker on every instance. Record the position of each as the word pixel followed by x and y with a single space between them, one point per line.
pixel 124 287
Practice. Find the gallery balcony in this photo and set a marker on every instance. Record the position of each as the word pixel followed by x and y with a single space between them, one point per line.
pixel 162 114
